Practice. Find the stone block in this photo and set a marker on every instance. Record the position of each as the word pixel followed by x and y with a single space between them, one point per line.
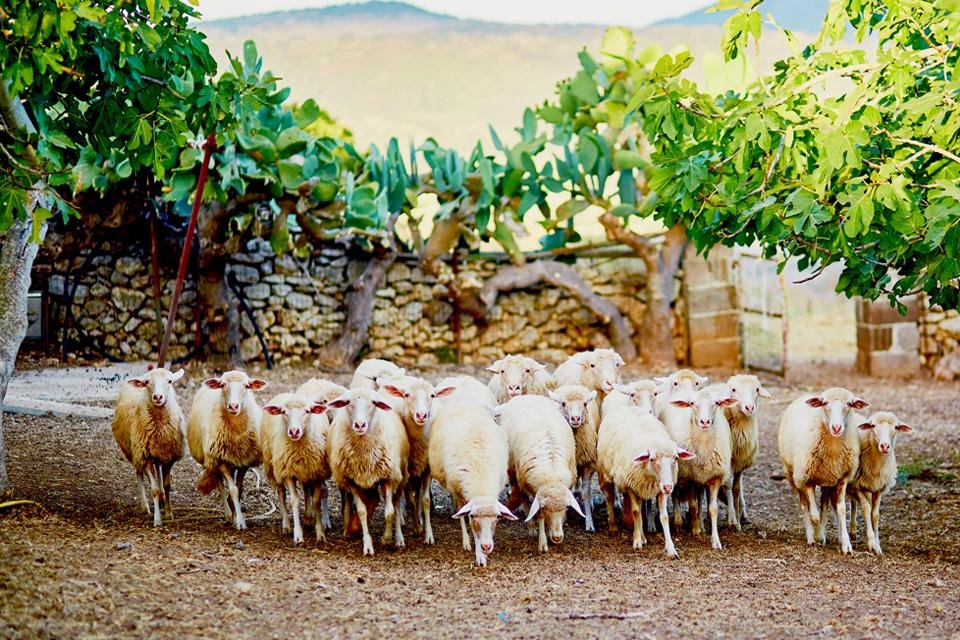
pixel 720 325
pixel 712 298
pixel 715 353
pixel 873 338
pixel 906 337
pixel 887 364
pixel 880 311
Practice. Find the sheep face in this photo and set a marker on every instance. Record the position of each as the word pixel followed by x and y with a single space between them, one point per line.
pixel 158 383
pixel 746 390
pixel 641 393
pixel 295 416
pixel 235 385
pixel 418 396
pixel 703 405
pixel 484 515
pixel 573 401
pixel 361 408
pixel 883 427
pixel 835 405
pixel 517 371
pixel 679 380
pixel 664 465
pixel 601 369
pixel 551 503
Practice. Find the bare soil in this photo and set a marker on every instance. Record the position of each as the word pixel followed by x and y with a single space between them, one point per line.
pixel 84 562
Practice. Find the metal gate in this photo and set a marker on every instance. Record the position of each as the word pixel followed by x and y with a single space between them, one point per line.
pixel 763 312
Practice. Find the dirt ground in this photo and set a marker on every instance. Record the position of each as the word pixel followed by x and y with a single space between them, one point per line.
pixel 84 561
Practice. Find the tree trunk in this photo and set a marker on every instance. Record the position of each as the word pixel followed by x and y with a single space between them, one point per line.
pixel 662 262
pixel 16 261
pixel 340 353
pixel 566 277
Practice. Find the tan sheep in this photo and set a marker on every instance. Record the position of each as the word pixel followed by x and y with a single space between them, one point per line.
pixel 294 452
pixel 597 370
pixel 468 457
pixel 543 462
pixel 876 471
pixel 636 455
pixel 743 418
pixel 223 433
pixel 695 421
pixel 368 453
pixel 579 408
pixel 514 375
pixel 148 426
pixel 413 398
pixel 371 373
pixel 468 388
pixel 819 446
pixel 319 391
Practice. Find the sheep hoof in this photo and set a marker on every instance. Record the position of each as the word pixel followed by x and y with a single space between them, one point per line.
pixel 368 547
pixel 428 539
pixel 672 553
pixel 298 540
pixel 716 545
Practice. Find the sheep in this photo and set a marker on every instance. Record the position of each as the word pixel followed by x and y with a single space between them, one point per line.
pixel 693 421
pixel 148 426
pixel 743 419
pixel 223 434
pixel 542 462
pixel 597 370
pixel 676 381
pixel 413 398
pixel 877 469
pixel 636 455
pixel 320 391
pixel 468 457
pixel 368 452
pixel 514 375
pixel 467 388
pixel 579 408
pixel 639 393
pixel 371 373
pixel 294 451
pixel 819 447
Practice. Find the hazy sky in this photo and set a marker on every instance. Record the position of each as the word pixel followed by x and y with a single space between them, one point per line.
pixel 635 13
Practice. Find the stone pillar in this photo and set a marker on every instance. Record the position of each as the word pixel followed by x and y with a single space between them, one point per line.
pixel 887 342
pixel 713 316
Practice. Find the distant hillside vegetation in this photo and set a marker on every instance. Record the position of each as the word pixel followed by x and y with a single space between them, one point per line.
pixel 389 69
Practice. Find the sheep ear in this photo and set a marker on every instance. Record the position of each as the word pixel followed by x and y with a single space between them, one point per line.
pixel 701 380
pixel 763 393
pixel 573 504
pixel 863 426
pixel 590 397
pixel 858 403
pixel 816 402
pixel 662 380
pixel 318 407
pixel 726 402
pixel 214 383
pixel 273 409
pixel 493 369
pixel 505 512
pixel 383 406
pixel 497 410
pixel 139 383
pixel 403 372
pixel 643 457
pixel 683 454
pixel 339 403
pixel 445 391
pixel 256 384
pixel 392 390
pixel 621 388
pixel 556 397
pixel 177 375
pixel 533 508
pixel 686 404
pixel 464 510
pixel 904 428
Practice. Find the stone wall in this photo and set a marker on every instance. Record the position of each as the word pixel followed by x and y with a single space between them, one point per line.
pixel 298 305
pixel 939 333
pixel 887 342
pixel 712 312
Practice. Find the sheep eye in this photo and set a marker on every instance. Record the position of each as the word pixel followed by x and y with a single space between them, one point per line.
pixel 527 370
pixel 563 404
pixel 592 365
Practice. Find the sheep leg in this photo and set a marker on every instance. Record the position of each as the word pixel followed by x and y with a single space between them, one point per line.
pixel 398 541
pixel 167 489
pixel 840 505
pixel 322 497
pixel 875 520
pixel 636 507
pixel 345 511
pixel 480 557
pixel 142 489
pixel 665 523
pixel 542 534
pixel 464 536
pixel 649 516
pixel 696 519
pixel 234 491
pixel 608 494
pixel 284 514
pixel 425 508
pixel 714 487
pixel 813 513
pixel 732 497
pixel 586 493
pixel 864 501
pixel 854 498
pixel 309 502
pixel 825 498
pixel 677 513
pixel 155 492
pixel 740 501
pixel 295 508
pixel 364 525
pixel 389 516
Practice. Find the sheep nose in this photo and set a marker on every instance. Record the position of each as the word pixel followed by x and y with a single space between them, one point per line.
pixel 513 391
pixel 837 429
pixel 607 385
pixel 295 434
pixel 576 420
pixel 705 424
pixel 157 398
pixel 486 548
pixel 667 488
pixel 360 427
pixel 233 407
pixel 885 448
pixel 420 417
pixel 556 539
pixel 748 409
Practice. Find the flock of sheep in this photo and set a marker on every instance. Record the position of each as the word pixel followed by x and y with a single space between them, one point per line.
pixel 389 434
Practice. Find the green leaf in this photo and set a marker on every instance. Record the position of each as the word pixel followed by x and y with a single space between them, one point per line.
pixel 292 141
pixel 40 217
pixel 306 114
pixel 617 42
pixel 585 88
pixel 627 159
pixel 571 208
pixel 291 176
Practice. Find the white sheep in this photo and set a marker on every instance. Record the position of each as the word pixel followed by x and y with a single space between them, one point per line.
pixel 319 391
pixel 543 462
pixel 368 453
pixel 294 451
pixel 743 418
pixel 636 455
pixel 371 373
pixel 413 398
pixel 148 426
pixel 877 470
pixel 694 421
pixel 579 408
pixel 223 433
pixel 819 446
pixel 597 370
pixel 684 379
pixel 468 457
pixel 467 388
pixel 514 375
pixel 639 393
